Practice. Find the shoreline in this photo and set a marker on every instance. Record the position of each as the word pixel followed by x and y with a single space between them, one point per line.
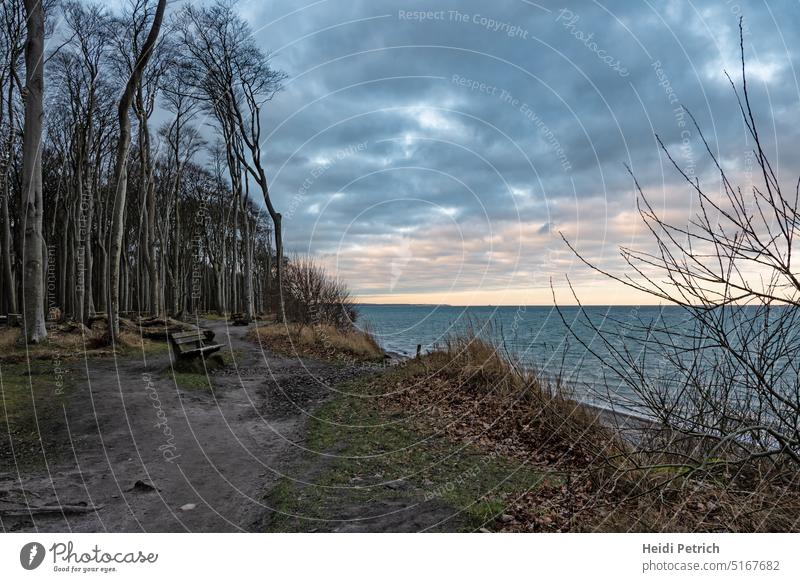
pixel 613 417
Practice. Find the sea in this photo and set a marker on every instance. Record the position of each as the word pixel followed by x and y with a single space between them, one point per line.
pixel 555 342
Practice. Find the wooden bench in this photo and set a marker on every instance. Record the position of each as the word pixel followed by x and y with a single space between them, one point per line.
pixel 189 344
pixel 240 319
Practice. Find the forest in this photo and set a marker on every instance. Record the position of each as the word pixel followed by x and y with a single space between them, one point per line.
pixel 131 164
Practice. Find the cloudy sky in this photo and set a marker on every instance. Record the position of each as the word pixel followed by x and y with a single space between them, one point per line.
pixel 433 151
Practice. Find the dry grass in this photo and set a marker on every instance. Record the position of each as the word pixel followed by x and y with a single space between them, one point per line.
pixel 8 338
pixel 72 341
pixel 481 393
pixel 318 341
pixel 473 393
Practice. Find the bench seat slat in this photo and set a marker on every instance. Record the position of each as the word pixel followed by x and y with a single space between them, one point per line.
pixel 202 350
pixel 186 340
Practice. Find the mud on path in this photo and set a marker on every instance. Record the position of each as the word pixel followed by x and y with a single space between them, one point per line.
pixel 146 454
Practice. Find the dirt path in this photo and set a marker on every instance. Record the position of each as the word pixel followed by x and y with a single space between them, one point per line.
pixel 211 455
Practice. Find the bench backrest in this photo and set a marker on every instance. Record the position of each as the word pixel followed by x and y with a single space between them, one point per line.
pixel 188 340
pixel 190 333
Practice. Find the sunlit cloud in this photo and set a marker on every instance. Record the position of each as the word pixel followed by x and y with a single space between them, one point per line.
pixel 473 153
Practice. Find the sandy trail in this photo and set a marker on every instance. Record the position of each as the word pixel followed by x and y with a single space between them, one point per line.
pixel 219 451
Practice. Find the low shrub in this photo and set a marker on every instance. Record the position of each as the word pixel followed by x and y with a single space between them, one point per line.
pixel 312 296
pixel 323 341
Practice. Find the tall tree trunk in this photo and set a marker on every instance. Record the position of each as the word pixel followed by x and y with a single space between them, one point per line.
pixel 77 253
pixel 8 241
pixel 102 288
pixel 276 219
pixel 32 276
pixel 62 283
pixel 86 240
pixel 268 286
pixel 8 273
pixel 276 222
pixel 88 301
pixel 149 200
pixel 248 267
pixel 121 169
pixel 177 310
pixel 235 306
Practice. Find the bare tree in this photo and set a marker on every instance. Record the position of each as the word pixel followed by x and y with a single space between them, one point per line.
pixel 183 142
pixel 32 274
pixel 95 240
pixel 77 68
pixel 236 81
pixel 121 169
pixel 12 46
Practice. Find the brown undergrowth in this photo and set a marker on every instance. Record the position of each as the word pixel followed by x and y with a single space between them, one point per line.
pixel 322 341
pixel 471 392
pixel 69 340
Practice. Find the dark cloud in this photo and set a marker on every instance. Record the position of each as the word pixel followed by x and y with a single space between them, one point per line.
pixel 453 148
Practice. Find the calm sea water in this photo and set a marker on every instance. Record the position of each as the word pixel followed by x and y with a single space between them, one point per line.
pixel 537 335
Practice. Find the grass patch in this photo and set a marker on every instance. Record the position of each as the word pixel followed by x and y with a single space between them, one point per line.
pixel 378 456
pixel 194 373
pixel 32 421
pixel 321 341
pixel 191 381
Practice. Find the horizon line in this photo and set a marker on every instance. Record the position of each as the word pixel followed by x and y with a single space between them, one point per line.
pixel 516 304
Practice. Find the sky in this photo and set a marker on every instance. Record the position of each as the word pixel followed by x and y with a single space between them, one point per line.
pixel 436 152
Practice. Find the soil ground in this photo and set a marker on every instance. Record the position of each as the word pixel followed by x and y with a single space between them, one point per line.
pixel 261 443
pixel 216 441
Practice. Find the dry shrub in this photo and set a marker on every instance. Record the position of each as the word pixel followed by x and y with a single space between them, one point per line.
pixel 102 339
pixel 71 339
pixel 319 341
pixel 545 409
pixel 661 483
pixel 62 340
pixel 616 475
pixel 312 296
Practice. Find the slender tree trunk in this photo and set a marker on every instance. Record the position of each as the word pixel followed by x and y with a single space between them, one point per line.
pixel 248 269
pixel 235 253
pixel 8 273
pixel 102 293
pixel 88 300
pixel 126 286
pixel 121 170
pixel 276 219
pixel 176 245
pixel 86 240
pixel 8 241
pixel 32 276
pixel 62 283
pixel 221 273
pixel 149 201
pixel 77 254
pixel 268 290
